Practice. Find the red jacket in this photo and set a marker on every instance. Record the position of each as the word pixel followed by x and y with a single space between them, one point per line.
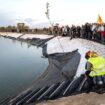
pixel 103 34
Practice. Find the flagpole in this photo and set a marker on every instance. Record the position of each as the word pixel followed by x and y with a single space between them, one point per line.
pixel 48 17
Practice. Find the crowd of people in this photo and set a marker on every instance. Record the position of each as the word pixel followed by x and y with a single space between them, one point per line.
pixel 88 31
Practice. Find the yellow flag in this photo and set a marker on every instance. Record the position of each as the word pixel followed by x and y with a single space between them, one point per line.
pixel 99 21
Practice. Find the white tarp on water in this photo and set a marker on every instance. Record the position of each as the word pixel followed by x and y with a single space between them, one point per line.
pixel 9 34
pixel 30 36
pixel 25 36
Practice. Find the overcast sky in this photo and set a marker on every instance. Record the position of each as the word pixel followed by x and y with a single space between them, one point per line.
pixel 32 12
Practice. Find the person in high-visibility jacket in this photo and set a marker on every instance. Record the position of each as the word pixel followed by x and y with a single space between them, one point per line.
pixel 95 64
pixel 95 73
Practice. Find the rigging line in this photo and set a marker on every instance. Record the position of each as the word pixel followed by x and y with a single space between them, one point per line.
pixel 60 45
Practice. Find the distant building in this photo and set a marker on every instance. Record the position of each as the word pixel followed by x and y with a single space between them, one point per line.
pixel 21 27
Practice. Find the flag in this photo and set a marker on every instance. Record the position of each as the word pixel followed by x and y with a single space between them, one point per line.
pixel 99 21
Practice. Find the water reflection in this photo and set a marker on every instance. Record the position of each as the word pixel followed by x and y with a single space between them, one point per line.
pixel 20 65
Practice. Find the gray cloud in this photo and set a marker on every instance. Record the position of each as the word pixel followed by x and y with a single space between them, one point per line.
pixel 41 25
pixel 12 18
pixel 30 20
pixel 7 18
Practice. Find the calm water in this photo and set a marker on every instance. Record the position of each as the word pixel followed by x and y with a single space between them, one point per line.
pixel 20 65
